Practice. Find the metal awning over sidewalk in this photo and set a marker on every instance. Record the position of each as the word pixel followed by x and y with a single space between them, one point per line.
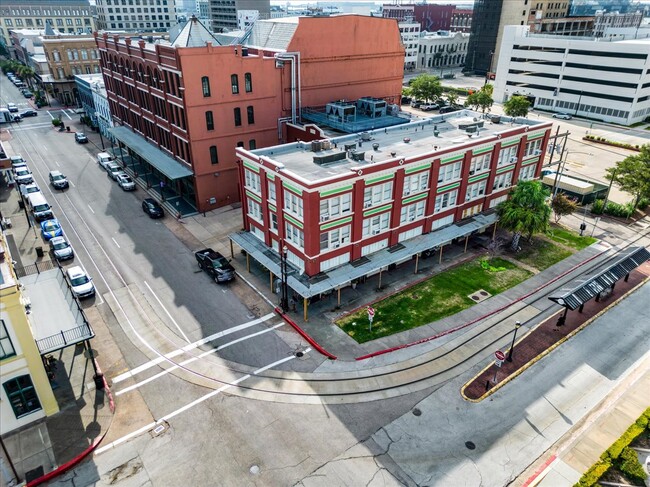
pixel 167 165
pixel 374 263
pixel 585 288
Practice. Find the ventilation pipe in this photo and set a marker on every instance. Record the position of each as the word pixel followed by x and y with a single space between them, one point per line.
pixel 296 101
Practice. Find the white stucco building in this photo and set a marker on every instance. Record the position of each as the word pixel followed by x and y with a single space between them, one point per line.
pixel 102 109
pixel 442 50
pixel 602 79
pixel 410 32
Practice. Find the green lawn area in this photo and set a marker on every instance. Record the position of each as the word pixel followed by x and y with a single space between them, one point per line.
pixel 568 238
pixel 443 295
pixel 541 253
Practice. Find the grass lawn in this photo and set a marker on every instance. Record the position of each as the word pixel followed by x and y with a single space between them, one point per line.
pixel 443 295
pixel 541 254
pixel 568 238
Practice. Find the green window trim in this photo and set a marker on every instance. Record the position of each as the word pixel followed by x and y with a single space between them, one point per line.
pixel 254 196
pixel 412 199
pixel 411 170
pixel 510 142
pixel 381 209
pixel 379 179
pixel 482 151
pixel 252 167
pixel 336 223
pixel 293 220
pixel 335 191
pixel 480 177
pixel 528 162
pixel 272 208
pixel 292 188
pixel 452 159
pixel 505 169
pixel 270 175
pixel 451 186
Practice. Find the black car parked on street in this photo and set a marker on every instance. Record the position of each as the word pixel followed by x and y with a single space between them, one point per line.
pixel 215 264
pixel 152 208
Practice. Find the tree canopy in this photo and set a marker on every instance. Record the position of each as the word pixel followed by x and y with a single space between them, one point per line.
pixel 516 106
pixel 562 205
pixel 526 211
pixel 481 100
pixel 426 87
pixel 632 174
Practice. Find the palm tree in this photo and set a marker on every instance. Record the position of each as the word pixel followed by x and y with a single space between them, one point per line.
pixel 525 211
pixel 27 73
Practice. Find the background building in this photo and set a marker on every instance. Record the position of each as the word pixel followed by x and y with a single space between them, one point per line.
pixel 442 50
pixel 102 110
pixel 461 20
pixel 409 32
pixel 137 16
pixel 604 21
pixel 67 16
pixel 223 13
pixel 589 77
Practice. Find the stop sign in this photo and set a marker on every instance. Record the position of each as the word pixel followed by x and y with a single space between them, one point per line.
pixel 499 355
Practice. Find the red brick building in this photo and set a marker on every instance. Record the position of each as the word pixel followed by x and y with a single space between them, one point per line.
pixel 182 107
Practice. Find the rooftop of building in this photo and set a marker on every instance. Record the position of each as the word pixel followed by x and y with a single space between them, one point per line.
pixel 90 78
pixel 7 277
pixel 44 3
pixel 428 136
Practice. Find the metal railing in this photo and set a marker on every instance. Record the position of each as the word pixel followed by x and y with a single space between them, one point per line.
pixel 65 338
pixel 35 268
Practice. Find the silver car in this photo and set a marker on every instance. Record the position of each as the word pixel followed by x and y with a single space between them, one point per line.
pixel 125 182
pixel 22 175
pixel 113 170
pixel 82 285
pixel 26 189
pixel 61 248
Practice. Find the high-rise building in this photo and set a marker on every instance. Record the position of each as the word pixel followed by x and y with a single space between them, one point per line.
pixel 137 16
pixel 590 7
pixel 223 13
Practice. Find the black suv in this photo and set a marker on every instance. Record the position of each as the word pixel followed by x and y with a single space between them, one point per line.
pixel 215 264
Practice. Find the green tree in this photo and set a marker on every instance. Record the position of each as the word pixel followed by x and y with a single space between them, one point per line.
pixel 525 211
pixel 632 174
pixel 451 98
pixel 516 106
pixel 426 87
pixel 480 100
pixel 563 206
pixel 488 88
pixel 27 73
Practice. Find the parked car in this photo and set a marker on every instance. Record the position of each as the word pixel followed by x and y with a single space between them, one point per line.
pixel 416 103
pixel 26 189
pixel 27 94
pixel 113 170
pixel 17 161
pixel 125 182
pixel 82 285
pixel 152 208
pixel 61 248
pixel 104 158
pixel 17 118
pixel 12 107
pixel 429 108
pixel 562 116
pixel 215 264
pixel 80 138
pixel 448 109
pixel 51 228
pixel 22 175
pixel 58 180
pixel 29 113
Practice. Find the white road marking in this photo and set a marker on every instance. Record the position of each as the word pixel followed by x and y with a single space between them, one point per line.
pixel 191 346
pixel 115 241
pixel 90 208
pixel 165 309
pixel 51 116
pixel 72 184
pixel 45 149
pixel 194 359
pixel 190 405
pixel 66 114
pixel 57 164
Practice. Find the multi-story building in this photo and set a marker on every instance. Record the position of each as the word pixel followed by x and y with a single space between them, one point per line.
pixel 590 77
pixel 616 20
pixel 223 13
pixel 135 15
pixel 410 33
pixel 67 56
pixel 102 109
pixel 203 10
pixel 442 50
pixel 431 17
pixel 26 395
pixel 67 16
pixel 85 84
pixel 461 20
pixel 183 107
pixel 590 7
pixel 344 208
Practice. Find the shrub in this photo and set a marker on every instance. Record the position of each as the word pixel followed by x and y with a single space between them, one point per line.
pixel 643 203
pixel 618 210
pixel 628 464
pixel 597 207
pixel 56 122
pixel 591 476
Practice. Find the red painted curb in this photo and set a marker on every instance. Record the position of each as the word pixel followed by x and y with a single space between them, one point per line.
pixel 67 466
pixel 304 334
pixel 537 473
pixel 465 325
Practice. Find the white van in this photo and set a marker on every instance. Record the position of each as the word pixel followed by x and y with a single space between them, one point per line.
pixel 104 158
pixel 39 207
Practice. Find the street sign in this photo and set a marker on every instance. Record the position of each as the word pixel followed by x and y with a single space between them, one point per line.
pixel 498 363
pixel 371 315
pixel 499 355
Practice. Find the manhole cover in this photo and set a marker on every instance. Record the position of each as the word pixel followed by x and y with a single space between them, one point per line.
pixel 417 412
pixel 475 298
pixel 470 445
pixel 254 470
pixel 484 293
pixel 299 354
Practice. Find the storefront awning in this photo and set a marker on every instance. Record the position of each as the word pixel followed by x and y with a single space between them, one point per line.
pixel 167 165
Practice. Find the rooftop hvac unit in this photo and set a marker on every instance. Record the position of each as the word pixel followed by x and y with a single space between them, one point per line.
pixel 357 155
pixel 327 144
pixel 316 145
pixel 365 136
pixel 350 147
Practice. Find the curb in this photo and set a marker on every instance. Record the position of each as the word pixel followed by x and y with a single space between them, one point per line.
pixel 546 352
pixel 475 320
pixel 304 334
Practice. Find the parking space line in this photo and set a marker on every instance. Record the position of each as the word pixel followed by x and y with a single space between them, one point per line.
pixel 115 241
pixel 66 114
pixel 90 208
pixel 51 116
pixel 164 309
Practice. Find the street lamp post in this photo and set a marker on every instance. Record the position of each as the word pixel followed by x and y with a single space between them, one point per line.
pixel 578 105
pixel 514 337
pixel 284 301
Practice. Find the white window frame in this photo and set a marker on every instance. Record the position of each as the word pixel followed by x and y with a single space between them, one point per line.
pixel 252 181
pixel 412 212
pixel 445 200
pixel 449 172
pixel 527 172
pixel 377 194
pixel 294 235
pixel 271 190
pixel 293 203
pixel 376 224
pixel 273 222
pixel 416 183
pixel 333 239
pixel 480 163
pixel 502 181
pixel 254 210
pixel 532 147
pixel 476 190
pixel 336 206
pixel 508 155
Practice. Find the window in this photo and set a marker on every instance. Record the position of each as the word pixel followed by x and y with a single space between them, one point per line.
pixel 377 194
pixel 237 112
pixel 335 238
pixel 254 209
pixel 527 172
pixel 252 180
pixel 250 111
pixel 84 54
pixel 271 190
pixel 214 157
pixel 410 212
pixel 248 83
pixel 480 163
pixel 68 21
pixel 273 218
pixel 209 120
pixel 205 83
pixel 335 207
pixel 449 172
pixel 19 22
pixel 234 82
pixel 507 156
pixel 416 182
pixel 445 200
pixel 9 23
pixel 339 260
pixel 6 347
pixel 533 148
pixel 502 181
pixel 22 395
pixel 59 22
pixel 70 56
pixel 292 203
pixel 475 190
pixel 376 224
pixel 294 235
pixel 252 145
pixel 240 143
